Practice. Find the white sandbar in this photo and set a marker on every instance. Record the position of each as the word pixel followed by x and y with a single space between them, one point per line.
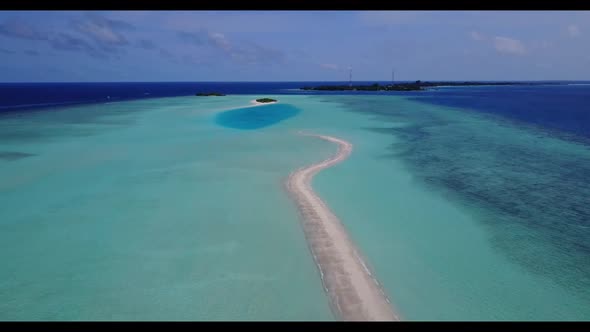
pixel 355 295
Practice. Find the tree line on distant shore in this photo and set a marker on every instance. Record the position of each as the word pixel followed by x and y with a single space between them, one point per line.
pixel 413 86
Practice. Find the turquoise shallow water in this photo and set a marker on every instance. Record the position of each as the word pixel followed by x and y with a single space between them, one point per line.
pixel 156 210
pixel 148 210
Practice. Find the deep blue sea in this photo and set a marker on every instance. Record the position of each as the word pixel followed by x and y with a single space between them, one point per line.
pixel 554 107
pixel 18 96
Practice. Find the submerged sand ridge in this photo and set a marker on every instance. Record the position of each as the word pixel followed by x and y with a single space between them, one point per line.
pixel 355 295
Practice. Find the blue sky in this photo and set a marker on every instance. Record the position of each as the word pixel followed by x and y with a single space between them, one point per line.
pixel 57 46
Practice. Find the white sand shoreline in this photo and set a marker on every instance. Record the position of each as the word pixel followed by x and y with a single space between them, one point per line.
pixel 355 295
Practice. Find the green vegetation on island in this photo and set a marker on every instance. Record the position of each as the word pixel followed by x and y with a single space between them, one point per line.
pixel 415 86
pixel 207 94
pixel 266 100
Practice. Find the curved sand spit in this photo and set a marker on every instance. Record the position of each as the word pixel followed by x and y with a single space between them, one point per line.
pixel 355 295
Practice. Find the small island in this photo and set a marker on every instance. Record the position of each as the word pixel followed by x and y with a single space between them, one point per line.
pixel 413 86
pixel 266 100
pixel 207 94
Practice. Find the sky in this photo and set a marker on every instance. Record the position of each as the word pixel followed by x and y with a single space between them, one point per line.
pixel 103 46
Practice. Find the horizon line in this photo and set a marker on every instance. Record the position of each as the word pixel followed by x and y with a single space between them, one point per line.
pixel 437 80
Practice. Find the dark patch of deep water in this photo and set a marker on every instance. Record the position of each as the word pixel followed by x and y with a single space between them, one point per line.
pixel 256 117
pixel 11 155
pixel 555 107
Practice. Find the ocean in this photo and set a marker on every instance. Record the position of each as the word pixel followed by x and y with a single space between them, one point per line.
pixel 141 201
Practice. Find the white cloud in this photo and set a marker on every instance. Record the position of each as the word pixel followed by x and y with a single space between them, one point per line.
pixel 103 33
pixel 330 66
pixel 509 45
pixel 573 30
pixel 477 36
pixel 21 29
pixel 103 30
pixel 244 52
pixel 219 40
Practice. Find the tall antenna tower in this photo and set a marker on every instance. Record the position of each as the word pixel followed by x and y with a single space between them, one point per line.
pixel 350 77
pixel 392 75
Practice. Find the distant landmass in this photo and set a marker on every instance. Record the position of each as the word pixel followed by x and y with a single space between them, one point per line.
pixel 414 86
pixel 266 100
